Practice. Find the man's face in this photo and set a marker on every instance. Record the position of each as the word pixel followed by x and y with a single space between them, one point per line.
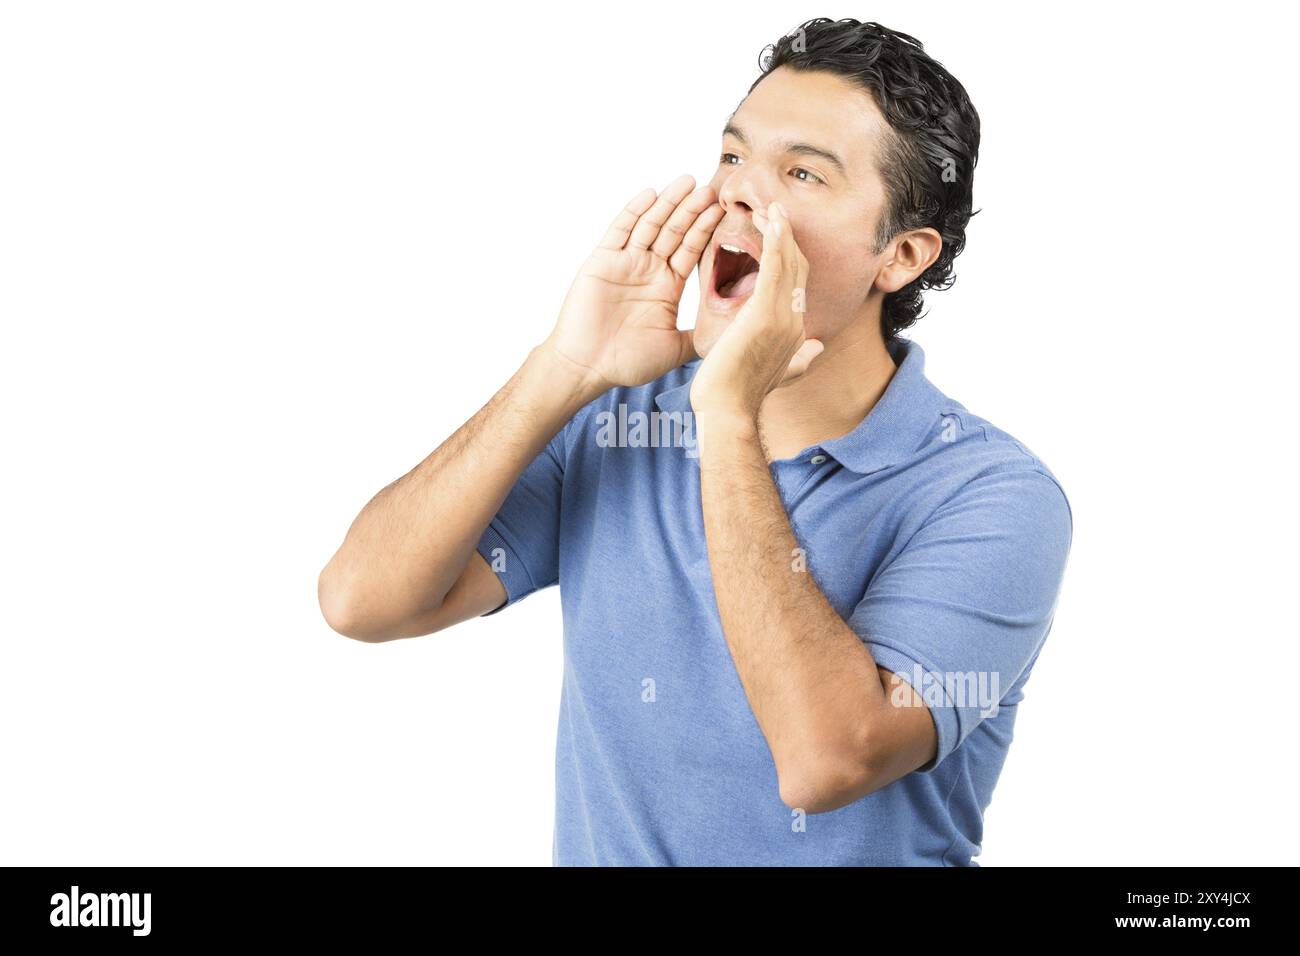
pixel 809 141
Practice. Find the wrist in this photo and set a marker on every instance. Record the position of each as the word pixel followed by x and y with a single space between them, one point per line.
pixel 727 424
pixel 562 377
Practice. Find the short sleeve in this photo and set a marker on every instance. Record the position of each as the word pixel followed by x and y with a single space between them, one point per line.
pixel 962 610
pixel 522 541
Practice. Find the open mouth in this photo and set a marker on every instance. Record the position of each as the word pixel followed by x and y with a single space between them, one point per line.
pixel 735 272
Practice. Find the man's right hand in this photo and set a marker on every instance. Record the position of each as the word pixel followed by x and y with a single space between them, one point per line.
pixel 409 564
pixel 618 324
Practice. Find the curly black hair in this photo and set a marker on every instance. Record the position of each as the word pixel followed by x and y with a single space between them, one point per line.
pixel 928 161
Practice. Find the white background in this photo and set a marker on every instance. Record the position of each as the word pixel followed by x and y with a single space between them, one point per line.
pixel 259 259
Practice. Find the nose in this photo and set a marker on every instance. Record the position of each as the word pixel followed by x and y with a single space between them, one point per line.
pixel 743 192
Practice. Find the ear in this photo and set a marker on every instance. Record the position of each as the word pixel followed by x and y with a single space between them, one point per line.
pixel 912 253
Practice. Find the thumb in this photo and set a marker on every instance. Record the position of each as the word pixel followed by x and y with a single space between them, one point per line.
pixel 810 349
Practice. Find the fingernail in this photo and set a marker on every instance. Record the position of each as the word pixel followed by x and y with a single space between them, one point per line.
pixel 780 209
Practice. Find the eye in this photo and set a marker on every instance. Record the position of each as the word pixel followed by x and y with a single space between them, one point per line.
pixel 727 157
pixel 812 177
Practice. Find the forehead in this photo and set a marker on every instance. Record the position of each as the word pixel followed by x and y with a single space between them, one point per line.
pixel 815 107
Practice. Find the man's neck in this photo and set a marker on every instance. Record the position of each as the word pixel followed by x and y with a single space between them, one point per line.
pixel 839 389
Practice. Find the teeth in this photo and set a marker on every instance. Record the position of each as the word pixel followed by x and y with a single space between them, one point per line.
pixel 731 248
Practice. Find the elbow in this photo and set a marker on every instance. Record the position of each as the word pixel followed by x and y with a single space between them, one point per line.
pixel 823 792
pixel 343 611
pixel 827 784
pixel 796 794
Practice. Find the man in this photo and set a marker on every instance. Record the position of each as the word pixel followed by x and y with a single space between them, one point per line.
pixel 801 605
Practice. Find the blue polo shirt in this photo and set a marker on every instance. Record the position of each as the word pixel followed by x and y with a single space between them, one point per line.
pixel 940 539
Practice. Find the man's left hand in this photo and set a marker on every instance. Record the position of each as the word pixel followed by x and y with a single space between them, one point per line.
pixel 765 346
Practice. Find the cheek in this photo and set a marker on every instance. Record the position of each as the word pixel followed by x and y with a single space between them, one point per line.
pixel 839 281
pixel 839 266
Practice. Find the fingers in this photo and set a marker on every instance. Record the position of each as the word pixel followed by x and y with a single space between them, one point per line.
pixel 621 228
pixel 790 255
pixel 782 279
pixel 674 230
pixel 787 288
pixel 799 290
pixel 772 280
pixel 675 224
pixel 793 286
pixel 696 240
pixel 647 227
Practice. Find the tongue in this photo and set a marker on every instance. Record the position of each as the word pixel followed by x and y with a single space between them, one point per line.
pixel 742 286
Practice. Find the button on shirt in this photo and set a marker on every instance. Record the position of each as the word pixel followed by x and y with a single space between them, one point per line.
pixel 940 539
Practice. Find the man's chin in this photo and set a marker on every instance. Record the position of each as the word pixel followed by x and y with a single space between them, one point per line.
pixel 709 327
pixel 716 311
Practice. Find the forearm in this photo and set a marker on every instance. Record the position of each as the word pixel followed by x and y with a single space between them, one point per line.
pixel 410 543
pixel 810 680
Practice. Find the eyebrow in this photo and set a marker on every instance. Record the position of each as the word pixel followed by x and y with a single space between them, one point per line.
pixel 791 146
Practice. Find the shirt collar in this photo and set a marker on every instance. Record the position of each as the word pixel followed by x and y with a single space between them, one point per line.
pixel 897 425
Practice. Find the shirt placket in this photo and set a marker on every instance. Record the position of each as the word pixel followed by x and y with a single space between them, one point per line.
pixel 793 476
